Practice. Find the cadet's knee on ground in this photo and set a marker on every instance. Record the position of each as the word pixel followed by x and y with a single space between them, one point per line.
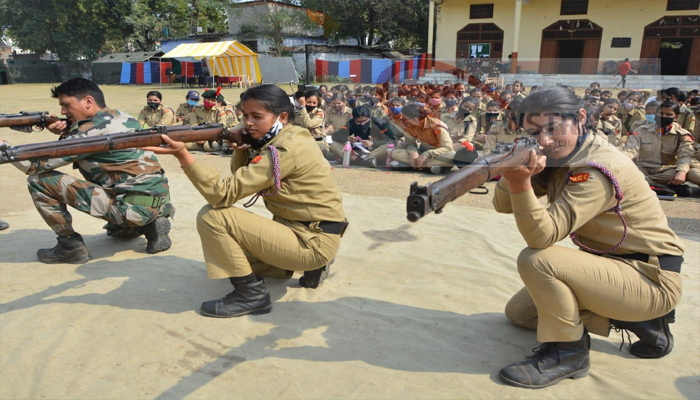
pixel 521 310
pixel 533 261
pixel 209 219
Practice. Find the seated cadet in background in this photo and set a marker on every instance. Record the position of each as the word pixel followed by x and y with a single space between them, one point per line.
pixel 606 94
pixel 451 101
pixel 650 111
pixel 184 110
pixel 337 114
pixel 395 106
pixel 310 116
pixel 427 142
pixel 282 165
pixel 518 89
pixel 460 90
pixel 608 124
pixel 462 124
pixel 483 100
pixel 231 118
pixel 206 113
pixel 493 115
pixel 507 130
pixel 507 95
pixel 694 173
pixel 686 118
pixel 435 104
pixel 352 99
pixel 376 104
pixel 327 96
pixel 595 96
pixel 662 151
pixel 156 113
pixel 368 136
pixel 630 112
pixel 621 97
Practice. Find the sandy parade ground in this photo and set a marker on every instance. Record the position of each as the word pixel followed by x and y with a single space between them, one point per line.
pixel 410 310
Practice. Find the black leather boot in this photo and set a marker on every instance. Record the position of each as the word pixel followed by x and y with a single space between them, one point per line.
pixel 655 338
pixel 551 363
pixel 249 298
pixel 312 279
pixel 69 250
pixel 157 235
pixel 3 225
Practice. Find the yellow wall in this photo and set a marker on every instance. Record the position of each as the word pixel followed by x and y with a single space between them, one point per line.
pixel 618 18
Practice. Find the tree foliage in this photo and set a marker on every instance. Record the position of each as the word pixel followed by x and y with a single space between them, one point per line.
pixel 397 23
pixel 88 28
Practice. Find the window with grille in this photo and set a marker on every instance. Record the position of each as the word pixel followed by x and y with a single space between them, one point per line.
pixel 674 5
pixel 621 42
pixel 480 11
pixel 574 7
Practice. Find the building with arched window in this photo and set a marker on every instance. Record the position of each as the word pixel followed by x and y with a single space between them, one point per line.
pixel 572 36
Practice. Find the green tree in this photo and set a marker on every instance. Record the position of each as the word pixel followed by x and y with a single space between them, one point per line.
pixel 69 28
pixel 397 23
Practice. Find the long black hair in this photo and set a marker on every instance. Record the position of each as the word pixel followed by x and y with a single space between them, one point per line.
pixel 274 99
pixel 154 93
pixel 555 100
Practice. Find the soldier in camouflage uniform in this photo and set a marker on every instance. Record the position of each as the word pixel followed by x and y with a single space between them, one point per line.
pixel 126 188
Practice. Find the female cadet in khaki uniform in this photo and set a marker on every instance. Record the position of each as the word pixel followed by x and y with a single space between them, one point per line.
pixel 338 114
pixel 207 112
pixel 156 113
pixel 626 272
pixel 630 112
pixel 492 115
pixel 462 124
pixel 282 164
pixel 309 115
pixel 507 130
pixel 610 124
pixel 372 134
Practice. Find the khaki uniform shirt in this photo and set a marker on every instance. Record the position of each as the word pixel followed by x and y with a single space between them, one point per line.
pixel 200 115
pixel 611 129
pixel 650 150
pixel 583 206
pixel 161 116
pixel 312 121
pixel 336 119
pixel 231 118
pixel 461 130
pixel 500 132
pixel 308 192
pixel 183 112
pixel 687 119
pixel 433 138
pixel 628 119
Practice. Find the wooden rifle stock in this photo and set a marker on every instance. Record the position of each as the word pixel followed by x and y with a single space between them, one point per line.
pixel 423 200
pixel 26 121
pixel 117 141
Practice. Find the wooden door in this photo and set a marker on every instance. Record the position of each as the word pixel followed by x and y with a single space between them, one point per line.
pixel 548 57
pixel 650 48
pixel 591 52
pixel 694 63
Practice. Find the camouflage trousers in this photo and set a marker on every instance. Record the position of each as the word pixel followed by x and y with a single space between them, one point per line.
pixel 53 191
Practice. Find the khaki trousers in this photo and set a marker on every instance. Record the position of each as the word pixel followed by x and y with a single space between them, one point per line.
pixel 443 160
pixel 237 243
pixel 659 178
pixel 567 289
pixel 694 174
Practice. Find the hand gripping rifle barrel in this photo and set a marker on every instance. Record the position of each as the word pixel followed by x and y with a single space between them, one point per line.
pixel 117 141
pixel 434 196
pixel 28 121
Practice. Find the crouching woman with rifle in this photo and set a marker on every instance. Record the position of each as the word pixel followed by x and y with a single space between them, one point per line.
pixel 626 272
pixel 282 164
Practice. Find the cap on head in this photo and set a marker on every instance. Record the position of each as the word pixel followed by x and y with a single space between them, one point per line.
pixel 193 95
pixel 212 94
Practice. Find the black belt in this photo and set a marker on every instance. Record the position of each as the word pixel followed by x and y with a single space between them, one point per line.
pixel 334 228
pixel 320 139
pixel 666 262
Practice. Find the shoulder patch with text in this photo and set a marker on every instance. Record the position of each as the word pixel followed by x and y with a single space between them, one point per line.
pixel 578 178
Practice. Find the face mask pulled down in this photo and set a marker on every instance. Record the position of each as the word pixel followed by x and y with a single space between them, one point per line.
pixel 257 144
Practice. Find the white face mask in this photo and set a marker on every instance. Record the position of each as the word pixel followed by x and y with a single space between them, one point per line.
pixel 629 106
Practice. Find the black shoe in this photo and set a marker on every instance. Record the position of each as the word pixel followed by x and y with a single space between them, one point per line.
pixel 69 250
pixel 249 298
pixel 682 190
pixel 157 235
pixel 655 338
pixel 551 363
pixel 123 232
pixel 369 163
pixel 4 225
pixel 313 279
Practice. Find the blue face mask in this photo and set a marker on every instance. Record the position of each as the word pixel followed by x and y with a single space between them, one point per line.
pixel 651 117
pixel 192 103
pixel 396 110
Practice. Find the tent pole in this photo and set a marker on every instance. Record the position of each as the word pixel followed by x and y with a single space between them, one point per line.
pixel 160 74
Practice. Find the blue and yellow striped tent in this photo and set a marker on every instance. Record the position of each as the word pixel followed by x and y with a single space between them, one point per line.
pixel 227 58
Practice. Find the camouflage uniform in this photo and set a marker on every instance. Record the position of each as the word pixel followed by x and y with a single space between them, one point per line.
pixel 117 187
pixel 161 116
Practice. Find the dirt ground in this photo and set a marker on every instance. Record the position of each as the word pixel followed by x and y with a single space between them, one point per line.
pixel 411 311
